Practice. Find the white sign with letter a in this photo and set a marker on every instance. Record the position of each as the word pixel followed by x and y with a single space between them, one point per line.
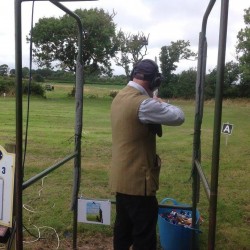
pixel 227 128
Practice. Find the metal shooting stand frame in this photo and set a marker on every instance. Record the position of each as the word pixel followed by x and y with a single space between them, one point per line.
pixel 197 172
pixel 76 155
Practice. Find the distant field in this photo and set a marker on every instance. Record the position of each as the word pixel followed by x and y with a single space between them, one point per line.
pixel 51 138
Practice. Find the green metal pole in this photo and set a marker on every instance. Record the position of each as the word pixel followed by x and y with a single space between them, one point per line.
pixel 78 120
pixel 217 124
pixel 19 130
pixel 201 70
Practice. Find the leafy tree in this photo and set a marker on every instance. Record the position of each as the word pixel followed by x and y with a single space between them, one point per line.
pixel 12 72
pixel 210 83
pixel 231 81
pixel 25 72
pixel 37 78
pixel 7 85
pixel 131 49
pixel 55 40
pixel 243 55
pixel 169 57
pixel 4 69
pixel 184 87
pixel 44 72
pixel 34 89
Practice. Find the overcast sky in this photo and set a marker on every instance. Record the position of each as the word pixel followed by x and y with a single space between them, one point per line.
pixel 163 20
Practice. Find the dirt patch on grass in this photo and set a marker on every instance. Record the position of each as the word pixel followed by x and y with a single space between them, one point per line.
pixel 95 242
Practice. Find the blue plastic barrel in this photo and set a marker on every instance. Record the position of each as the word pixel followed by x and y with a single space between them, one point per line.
pixel 175 236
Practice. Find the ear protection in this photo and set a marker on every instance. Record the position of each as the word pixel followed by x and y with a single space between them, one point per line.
pixel 154 78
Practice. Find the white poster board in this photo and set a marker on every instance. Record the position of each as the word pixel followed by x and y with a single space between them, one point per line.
pixel 7 171
pixel 94 211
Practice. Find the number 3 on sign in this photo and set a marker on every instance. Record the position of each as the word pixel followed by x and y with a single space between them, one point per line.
pixel 3 170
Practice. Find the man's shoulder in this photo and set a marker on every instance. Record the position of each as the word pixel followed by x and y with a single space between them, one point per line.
pixel 133 92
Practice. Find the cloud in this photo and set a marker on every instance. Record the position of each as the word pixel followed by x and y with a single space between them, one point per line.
pixel 164 21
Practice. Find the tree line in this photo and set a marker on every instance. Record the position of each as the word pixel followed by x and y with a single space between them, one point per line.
pixel 55 47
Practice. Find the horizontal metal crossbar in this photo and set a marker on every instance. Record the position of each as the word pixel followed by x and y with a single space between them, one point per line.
pixel 203 178
pixel 48 170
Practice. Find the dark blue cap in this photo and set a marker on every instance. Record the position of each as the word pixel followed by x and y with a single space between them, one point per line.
pixel 145 69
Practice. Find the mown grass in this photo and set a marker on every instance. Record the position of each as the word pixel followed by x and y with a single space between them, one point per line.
pixel 51 138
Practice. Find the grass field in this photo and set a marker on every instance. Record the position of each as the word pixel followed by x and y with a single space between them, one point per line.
pixel 51 138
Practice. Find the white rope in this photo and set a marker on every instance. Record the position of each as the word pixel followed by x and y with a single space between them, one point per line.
pixel 32 241
pixel 39 192
pixel 31 210
pixel 58 239
pixel 39 235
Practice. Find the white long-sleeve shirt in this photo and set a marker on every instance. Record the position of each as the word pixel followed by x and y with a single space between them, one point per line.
pixel 152 111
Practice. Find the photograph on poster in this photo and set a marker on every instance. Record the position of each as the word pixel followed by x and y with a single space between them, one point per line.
pixel 94 211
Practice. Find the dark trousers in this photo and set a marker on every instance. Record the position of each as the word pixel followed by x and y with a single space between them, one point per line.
pixel 135 224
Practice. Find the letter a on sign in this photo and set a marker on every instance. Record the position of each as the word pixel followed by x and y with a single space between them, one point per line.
pixel 227 128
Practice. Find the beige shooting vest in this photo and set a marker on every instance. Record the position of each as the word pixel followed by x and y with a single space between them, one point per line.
pixel 135 167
